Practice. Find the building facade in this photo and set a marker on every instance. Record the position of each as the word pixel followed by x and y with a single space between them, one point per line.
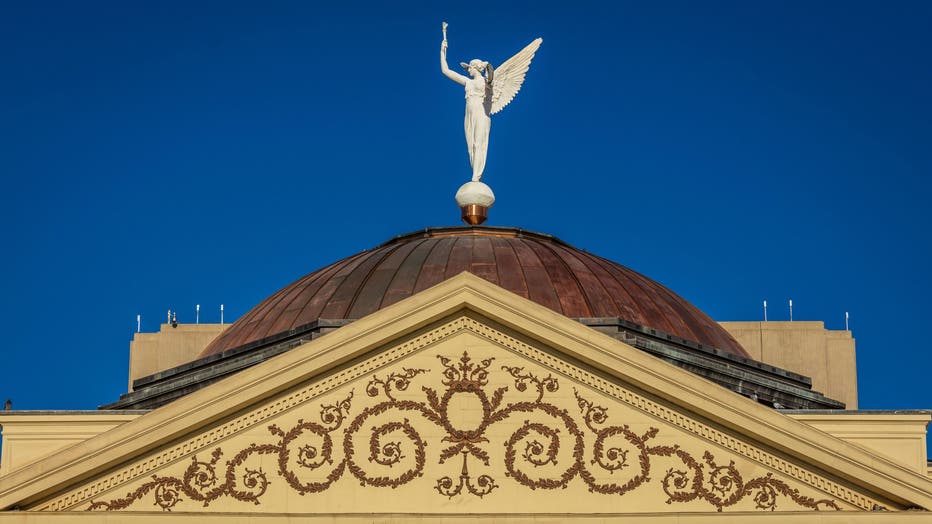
pixel 475 374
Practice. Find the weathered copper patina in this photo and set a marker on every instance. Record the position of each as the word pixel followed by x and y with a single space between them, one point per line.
pixel 474 214
pixel 539 267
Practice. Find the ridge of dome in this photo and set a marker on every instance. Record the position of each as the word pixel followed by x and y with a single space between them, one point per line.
pixel 491 231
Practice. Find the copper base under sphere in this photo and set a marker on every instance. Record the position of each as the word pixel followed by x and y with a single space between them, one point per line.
pixel 474 214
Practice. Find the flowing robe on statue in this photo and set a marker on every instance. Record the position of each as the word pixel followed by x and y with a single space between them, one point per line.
pixel 478 123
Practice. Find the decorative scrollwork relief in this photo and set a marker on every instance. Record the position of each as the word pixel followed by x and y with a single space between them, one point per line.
pixel 384 446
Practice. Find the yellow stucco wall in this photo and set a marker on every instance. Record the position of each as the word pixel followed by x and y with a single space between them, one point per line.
pixel 24 517
pixel 169 347
pixel 29 436
pixel 807 348
pixel 898 436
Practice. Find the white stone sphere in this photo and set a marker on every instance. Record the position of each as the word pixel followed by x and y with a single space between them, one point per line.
pixel 475 193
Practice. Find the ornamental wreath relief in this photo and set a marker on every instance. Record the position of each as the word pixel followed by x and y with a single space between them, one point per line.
pixel 380 447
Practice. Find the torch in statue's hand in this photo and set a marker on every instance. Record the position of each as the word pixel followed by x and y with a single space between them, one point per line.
pixel 443 27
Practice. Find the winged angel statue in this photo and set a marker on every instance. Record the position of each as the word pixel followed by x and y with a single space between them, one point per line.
pixel 486 95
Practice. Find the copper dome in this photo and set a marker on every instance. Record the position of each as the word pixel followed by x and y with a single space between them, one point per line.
pixel 539 267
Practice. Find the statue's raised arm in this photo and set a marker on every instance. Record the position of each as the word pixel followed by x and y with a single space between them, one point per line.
pixel 486 95
pixel 445 69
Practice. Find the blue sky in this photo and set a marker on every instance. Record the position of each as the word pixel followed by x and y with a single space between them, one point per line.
pixel 159 155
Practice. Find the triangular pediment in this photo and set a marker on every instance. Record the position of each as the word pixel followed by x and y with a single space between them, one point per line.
pixel 464 399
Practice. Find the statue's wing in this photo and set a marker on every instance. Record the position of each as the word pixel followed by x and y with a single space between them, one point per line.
pixel 510 75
